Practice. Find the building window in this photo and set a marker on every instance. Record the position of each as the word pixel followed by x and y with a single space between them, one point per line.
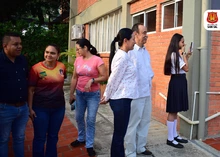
pixel 151 20
pixel 138 18
pixel 103 30
pixel 148 18
pixel 172 14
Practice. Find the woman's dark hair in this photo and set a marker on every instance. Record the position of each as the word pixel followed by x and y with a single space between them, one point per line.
pixel 173 48
pixel 84 42
pixel 124 33
pixel 55 46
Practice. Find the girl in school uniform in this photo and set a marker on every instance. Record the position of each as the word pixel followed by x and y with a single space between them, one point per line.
pixel 176 65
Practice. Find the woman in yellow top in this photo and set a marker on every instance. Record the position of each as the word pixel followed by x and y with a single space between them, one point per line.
pixel 46 101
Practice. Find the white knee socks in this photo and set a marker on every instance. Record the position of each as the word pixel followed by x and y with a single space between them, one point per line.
pixel 170 126
pixel 175 128
pixel 175 134
pixel 170 130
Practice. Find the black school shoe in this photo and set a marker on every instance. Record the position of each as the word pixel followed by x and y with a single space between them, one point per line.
pixel 77 143
pixel 91 152
pixel 180 140
pixel 170 143
pixel 146 152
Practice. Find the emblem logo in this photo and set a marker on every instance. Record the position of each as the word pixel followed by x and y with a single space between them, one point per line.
pixel 43 74
pixel 212 17
pixel 211 22
pixel 61 72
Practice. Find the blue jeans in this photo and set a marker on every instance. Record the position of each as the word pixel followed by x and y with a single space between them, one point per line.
pixel 13 119
pixel 121 110
pixel 89 101
pixel 46 128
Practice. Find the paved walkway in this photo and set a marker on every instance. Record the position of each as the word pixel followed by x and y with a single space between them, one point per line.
pixel 67 134
pixel 214 143
pixel 104 130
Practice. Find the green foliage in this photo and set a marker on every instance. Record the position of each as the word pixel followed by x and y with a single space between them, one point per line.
pixel 35 38
pixel 72 56
pixel 41 11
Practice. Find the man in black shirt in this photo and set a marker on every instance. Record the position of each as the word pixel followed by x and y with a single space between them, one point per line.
pixel 13 95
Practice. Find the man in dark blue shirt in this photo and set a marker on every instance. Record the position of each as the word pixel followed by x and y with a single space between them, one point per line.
pixel 13 95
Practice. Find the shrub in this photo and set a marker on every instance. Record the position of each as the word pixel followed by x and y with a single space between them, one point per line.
pixel 35 38
pixel 71 54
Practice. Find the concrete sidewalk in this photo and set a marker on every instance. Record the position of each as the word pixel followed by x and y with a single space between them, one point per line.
pixel 104 129
pixel 156 139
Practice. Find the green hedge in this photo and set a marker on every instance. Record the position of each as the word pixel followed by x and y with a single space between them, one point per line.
pixel 35 38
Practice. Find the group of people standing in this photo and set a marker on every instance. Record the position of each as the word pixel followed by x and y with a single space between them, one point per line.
pixel 38 93
pixel 128 91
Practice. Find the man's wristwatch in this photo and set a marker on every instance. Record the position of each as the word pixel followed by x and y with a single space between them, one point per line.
pixel 93 80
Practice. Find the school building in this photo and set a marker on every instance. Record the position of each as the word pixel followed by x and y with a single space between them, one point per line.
pixel 100 20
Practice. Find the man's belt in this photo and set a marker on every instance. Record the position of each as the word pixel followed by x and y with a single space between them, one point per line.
pixel 18 104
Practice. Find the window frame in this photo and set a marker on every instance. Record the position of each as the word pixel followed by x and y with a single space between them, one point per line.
pixel 101 36
pixel 175 16
pixel 151 10
pixel 145 15
pixel 138 14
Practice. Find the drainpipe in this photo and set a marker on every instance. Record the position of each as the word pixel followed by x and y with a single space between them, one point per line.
pixel 203 73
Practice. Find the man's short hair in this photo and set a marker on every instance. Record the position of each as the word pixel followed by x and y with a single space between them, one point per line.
pixel 135 27
pixel 6 37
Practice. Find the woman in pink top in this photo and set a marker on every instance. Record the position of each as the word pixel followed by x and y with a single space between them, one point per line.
pixel 89 71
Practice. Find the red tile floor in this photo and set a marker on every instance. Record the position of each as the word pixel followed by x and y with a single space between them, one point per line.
pixel 67 134
pixel 213 142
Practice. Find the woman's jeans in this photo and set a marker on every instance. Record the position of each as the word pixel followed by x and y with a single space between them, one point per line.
pixel 13 119
pixel 86 101
pixel 121 110
pixel 46 128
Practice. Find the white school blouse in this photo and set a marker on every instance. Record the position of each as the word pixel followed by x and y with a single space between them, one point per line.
pixel 181 64
pixel 122 82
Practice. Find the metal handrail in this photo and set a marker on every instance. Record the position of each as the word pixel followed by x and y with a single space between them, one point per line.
pixel 192 122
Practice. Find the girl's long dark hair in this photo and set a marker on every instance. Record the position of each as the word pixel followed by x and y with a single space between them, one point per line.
pixel 124 33
pixel 84 42
pixel 173 48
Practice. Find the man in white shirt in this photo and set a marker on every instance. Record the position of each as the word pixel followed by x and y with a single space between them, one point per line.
pixel 140 116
